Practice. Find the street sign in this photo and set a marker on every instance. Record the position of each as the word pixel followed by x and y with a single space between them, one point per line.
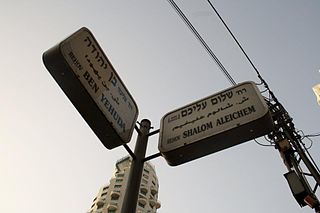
pixel 87 77
pixel 230 117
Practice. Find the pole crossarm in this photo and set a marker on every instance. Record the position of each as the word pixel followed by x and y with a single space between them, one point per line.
pixel 137 129
pixel 129 151
pixel 154 132
pixel 152 157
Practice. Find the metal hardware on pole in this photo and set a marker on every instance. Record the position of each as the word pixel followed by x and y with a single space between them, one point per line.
pixel 305 159
pixel 129 151
pixel 152 157
pixel 132 192
pixel 154 132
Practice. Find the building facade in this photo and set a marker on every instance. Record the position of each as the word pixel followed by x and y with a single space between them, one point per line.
pixel 110 197
pixel 316 90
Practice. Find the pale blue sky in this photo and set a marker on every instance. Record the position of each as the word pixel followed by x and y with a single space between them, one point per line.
pixel 52 162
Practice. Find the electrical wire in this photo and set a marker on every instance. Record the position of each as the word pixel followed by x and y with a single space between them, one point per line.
pixel 202 41
pixel 261 144
pixel 311 143
pixel 244 52
pixel 211 53
pixel 313 135
pixel 235 39
pixel 289 124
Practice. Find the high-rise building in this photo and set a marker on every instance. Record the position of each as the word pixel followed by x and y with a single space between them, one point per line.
pixel 316 90
pixel 110 197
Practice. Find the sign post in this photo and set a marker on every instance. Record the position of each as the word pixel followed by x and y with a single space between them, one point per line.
pixel 132 191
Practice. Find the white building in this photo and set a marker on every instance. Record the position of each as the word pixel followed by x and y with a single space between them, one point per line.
pixel 316 90
pixel 110 197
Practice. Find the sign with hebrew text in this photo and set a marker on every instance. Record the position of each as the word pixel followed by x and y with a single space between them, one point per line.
pixel 213 123
pixel 85 74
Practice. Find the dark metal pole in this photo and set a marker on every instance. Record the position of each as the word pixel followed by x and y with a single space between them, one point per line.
pixel 132 192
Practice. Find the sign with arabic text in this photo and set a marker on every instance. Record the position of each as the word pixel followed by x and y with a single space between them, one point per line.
pixel 85 74
pixel 213 123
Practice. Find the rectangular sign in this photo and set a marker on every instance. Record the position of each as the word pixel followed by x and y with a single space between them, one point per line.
pixel 87 77
pixel 214 123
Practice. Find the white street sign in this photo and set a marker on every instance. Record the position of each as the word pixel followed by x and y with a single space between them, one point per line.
pixel 212 116
pixel 91 67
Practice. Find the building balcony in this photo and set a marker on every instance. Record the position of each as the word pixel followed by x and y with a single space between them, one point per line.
pixel 115 194
pixel 152 202
pixel 158 205
pixel 100 202
pixel 154 191
pixel 142 200
pixel 112 206
pixel 144 189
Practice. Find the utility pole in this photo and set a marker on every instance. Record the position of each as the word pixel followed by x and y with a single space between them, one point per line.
pixel 288 142
pixel 131 196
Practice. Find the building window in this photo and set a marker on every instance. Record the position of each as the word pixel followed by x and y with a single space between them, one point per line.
pixel 146 171
pixel 117 186
pixel 119 180
pixel 114 198
pixel 104 194
pixel 146 176
pixel 144 192
pixel 111 211
pixel 120 175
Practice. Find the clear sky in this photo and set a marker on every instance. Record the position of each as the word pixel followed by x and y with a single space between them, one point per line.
pixel 52 162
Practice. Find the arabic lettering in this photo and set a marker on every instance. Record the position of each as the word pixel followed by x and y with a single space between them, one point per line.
pixel 219 110
pixel 116 100
pixel 188 122
pixel 96 72
pixel 105 85
pixel 121 93
pixel 244 99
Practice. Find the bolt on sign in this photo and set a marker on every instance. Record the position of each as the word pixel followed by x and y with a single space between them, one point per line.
pixel 87 77
pixel 217 122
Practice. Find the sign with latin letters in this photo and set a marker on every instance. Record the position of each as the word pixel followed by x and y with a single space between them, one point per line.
pixel 87 77
pixel 230 117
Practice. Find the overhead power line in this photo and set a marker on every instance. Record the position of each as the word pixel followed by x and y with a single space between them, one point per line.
pixel 202 41
pixel 243 51
pixel 284 130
